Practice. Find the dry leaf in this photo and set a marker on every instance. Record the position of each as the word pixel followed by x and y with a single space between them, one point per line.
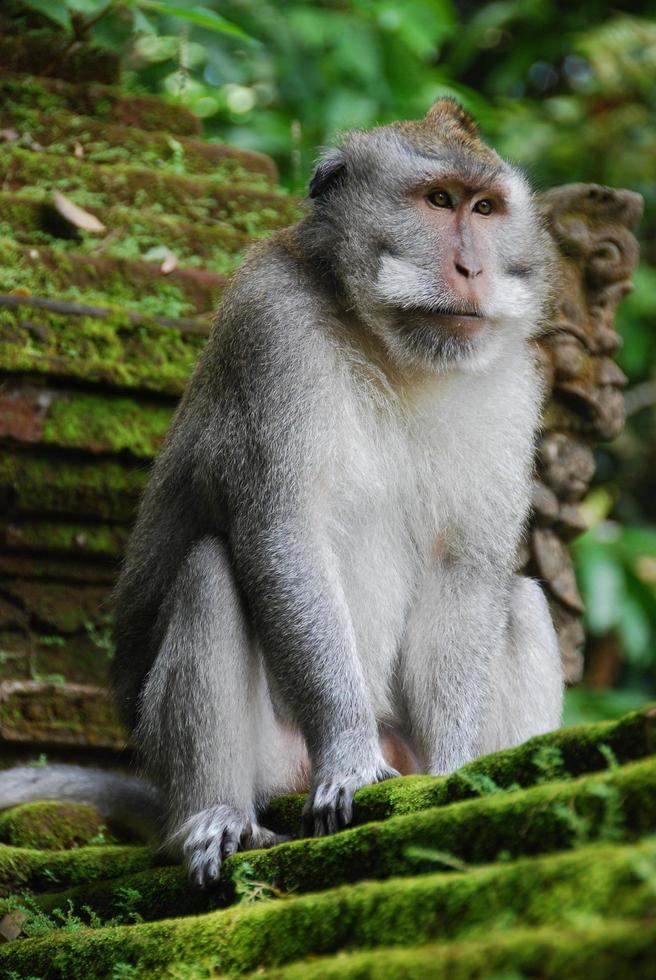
pixel 78 150
pixel 11 926
pixel 75 215
pixel 169 264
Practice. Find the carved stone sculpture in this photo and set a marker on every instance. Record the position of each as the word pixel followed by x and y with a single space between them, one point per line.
pixel 591 226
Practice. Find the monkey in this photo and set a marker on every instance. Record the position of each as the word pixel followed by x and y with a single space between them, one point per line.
pixel 324 559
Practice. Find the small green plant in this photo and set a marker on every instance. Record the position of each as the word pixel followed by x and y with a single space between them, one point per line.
pixel 484 785
pixel 123 971
pixel 126 900
pixel 248 889
pixel 610 757
pixel 578 825
pixel 548 760
pixel 612 823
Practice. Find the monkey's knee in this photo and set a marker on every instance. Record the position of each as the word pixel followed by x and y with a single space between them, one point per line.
pixel 528 685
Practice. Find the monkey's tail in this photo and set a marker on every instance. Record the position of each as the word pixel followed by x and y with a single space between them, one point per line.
pixel 126 802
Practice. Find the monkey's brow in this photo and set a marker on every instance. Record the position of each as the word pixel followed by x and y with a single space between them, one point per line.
pixel 458 169
pixel 469 184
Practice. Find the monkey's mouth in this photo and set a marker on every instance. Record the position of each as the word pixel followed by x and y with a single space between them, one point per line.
pixel 465 323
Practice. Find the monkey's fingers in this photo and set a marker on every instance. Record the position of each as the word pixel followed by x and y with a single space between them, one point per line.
pixel 330 807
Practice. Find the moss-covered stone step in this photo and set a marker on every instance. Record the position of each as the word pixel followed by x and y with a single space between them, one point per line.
pixel 49 568
pixel 95 140
pixel 99 187
pixel 54 631
pixel 80 420
pixel 40 712
pixel 47 484
pixel 132 284
pixel 567 752
pixel 103 541
pixel 610 806
pixel 104 103
pixel 111 350
pixel 56 606
pixel 606 950
pixel 31 653
pixel 40 870
pixel 57 57
pixel 596 882
pixel 131 234
pixel 52 826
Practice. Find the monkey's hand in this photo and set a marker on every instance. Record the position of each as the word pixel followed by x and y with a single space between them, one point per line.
pixel 208 837
pixel 329 806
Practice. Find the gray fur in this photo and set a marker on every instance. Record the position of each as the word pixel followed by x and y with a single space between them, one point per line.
pixel 327 543
pixel 125 801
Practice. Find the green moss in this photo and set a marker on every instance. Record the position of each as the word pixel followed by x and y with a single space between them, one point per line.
pixel 66 570
pixel 50 713
pixel 134 234
pixel 43 654
pixel 111 350
pixel 193 199
pixel 578 751
pixel 22 867
pixel 51 485
pixel 102 142
pixel 94 540
pixel 57 607
pixel 559 815
pixel 102 102
pixel 50 826
pixel 139 286
pixel 105 425
pixel 592 884
pixel 602 951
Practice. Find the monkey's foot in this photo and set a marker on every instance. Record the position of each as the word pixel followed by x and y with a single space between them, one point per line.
pixel 330 806
pixel 207 838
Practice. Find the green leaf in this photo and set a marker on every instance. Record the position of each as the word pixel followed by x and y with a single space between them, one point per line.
pixel 53 9
pixel 602 581
pixel 90 8
pixel 200 16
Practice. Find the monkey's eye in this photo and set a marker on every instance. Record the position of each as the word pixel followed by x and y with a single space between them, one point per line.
pixel 439 199
pixel 483 207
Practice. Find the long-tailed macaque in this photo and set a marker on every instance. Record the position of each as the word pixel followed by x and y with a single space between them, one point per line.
pixel 325 554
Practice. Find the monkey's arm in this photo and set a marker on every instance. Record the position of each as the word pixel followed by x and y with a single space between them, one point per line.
pixel 276 422
pixel 308 643
pixel 454 635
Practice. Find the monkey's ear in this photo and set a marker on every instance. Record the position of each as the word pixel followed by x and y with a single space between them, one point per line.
pixel 329 173
pixel 449 112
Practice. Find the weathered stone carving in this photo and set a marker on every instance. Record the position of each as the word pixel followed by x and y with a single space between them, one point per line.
pixel 591 226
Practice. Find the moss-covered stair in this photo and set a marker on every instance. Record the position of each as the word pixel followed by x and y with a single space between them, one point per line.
pixel 538 861
pixel 99 330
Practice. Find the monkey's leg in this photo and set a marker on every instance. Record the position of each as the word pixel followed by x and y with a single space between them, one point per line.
pixel 206 724
pixel 453 634
pixel 527 691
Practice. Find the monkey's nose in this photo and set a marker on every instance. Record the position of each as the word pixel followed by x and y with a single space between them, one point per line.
pixel 468 271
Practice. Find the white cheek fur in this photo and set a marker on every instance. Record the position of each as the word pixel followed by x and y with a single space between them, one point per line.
pixel 402 283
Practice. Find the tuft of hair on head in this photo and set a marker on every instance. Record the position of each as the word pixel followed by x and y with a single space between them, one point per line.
pixel 447 114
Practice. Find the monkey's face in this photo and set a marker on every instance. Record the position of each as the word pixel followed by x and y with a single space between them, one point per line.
pixel 435 240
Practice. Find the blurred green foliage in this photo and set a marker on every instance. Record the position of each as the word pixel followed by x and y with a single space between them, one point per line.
pixel 567 90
